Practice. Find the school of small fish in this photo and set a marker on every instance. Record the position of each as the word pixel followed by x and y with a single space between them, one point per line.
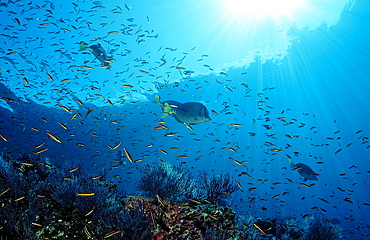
pixel 63 76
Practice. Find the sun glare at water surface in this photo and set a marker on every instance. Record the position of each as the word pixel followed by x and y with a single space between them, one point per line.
pixel 260 8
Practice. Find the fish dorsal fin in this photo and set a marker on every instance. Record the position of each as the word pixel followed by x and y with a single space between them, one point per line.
pixel 157 99
pixel 83 47
pixel 292 165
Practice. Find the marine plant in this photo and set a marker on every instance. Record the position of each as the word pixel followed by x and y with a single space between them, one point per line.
pixel 38 201
pixel 92 203
pixel 21 181
pixel 133 224
pixel 255 228
pixel 289 228
pixel 318 228
pixel 213 233
pixel 167 181
pixel 314 227
pixel 215 189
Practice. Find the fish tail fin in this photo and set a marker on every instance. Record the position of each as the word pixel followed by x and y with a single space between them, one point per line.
pixel 83 47
pixel 292 165
pixel 106 63
pixel 167 110
pixel 157 100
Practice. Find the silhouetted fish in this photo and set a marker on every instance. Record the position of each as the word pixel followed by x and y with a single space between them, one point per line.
pixel 306 172
pixel 98 52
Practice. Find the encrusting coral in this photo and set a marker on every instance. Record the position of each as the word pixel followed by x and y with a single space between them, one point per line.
pixel 183 221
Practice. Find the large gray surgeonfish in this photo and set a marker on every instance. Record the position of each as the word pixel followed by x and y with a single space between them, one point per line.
pixel 189 113
pixel 98 52
pixel 306 172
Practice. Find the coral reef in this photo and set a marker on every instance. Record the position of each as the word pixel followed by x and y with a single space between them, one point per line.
pixel 21 183
pixel 179 221
pixel 215 234
pixel 318 228
pixel 162 179
pixel 313 227
pixel 289 228
pixel 39 201
pixel 174 183
pixel 215 189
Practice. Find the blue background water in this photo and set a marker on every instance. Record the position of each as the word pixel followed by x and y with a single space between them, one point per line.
pixel 320 86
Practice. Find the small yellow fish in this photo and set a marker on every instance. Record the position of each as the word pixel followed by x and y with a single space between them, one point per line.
pixel 55 138
pixel 3 138
pixel 128 155
pixel 111 234
pixel 115 146
pixel 84 194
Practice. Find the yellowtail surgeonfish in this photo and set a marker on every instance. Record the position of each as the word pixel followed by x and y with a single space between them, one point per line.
pixel 306 172
pixel 98 52
pixel 190 113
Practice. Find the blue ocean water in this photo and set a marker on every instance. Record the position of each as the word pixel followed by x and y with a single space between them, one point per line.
pixel 278 86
